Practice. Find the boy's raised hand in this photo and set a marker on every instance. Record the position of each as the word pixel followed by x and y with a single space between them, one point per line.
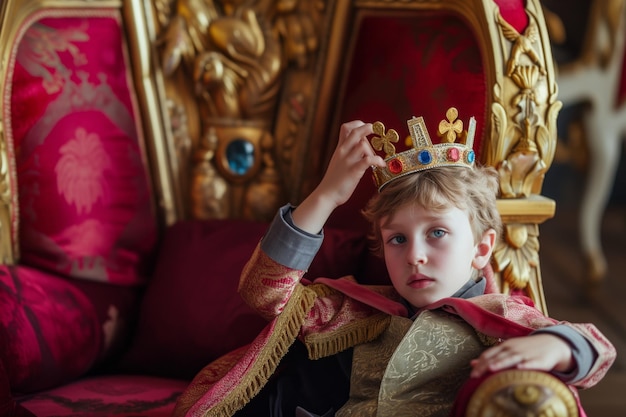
pixel 352 157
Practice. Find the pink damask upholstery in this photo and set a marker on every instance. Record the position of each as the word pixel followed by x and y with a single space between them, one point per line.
pixel 87 226
pixel 85 205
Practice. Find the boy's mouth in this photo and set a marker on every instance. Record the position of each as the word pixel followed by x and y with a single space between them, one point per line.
pixel 419 281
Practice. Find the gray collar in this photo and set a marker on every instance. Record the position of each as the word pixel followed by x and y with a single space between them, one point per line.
pixel 470 289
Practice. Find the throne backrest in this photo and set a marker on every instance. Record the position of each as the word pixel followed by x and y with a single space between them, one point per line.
pixel 265 88
pixel 87 174
pixel 242 117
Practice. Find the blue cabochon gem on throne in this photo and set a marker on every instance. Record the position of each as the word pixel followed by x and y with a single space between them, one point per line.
pixel 422 153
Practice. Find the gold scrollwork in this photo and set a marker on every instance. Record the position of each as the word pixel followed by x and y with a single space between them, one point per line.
pixel 517 257
pixel 208 190
pixel 234 56
pixel 522 145
pixel 522 393
pixel 526 140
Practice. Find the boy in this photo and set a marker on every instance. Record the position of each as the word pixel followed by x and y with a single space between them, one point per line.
pixel 406 350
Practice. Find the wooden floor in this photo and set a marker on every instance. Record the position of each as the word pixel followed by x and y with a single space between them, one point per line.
pixel 568 299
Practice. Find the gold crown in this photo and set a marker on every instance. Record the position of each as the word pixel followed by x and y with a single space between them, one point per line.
pixel 423 154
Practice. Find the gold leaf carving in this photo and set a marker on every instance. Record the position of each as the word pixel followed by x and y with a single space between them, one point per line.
pixel 516 258
pixel 235 59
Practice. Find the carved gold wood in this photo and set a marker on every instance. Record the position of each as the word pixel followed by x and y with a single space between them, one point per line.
pixel 522 145
pixel 242 74
pixel 9 249
pixel 519 393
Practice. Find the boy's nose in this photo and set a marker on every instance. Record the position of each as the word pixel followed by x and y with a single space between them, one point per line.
pixel 416 256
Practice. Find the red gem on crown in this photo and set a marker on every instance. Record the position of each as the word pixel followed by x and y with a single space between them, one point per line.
pixel 395 166
pixel 453 154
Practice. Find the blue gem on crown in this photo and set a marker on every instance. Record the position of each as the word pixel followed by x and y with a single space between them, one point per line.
pixel 424 157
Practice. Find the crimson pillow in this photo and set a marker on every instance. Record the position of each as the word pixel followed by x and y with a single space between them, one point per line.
pixel 191 312
pixel 40 348
pixel 55 329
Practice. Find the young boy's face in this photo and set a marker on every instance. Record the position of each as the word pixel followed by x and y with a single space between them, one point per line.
pixel 430 254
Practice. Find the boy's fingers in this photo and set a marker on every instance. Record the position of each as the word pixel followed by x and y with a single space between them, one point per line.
pixel 356 130
pixel 374 160
pixel 347 129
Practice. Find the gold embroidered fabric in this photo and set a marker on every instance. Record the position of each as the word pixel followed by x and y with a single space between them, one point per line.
pixel 352 323
pixel 414 368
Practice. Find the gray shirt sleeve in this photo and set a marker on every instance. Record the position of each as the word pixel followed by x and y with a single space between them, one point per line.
pixel 583 352
pixel 287 244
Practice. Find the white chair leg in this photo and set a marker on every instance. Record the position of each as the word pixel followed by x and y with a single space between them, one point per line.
pixel 604 157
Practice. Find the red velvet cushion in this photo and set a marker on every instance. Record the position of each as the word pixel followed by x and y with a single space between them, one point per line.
pixel 85 203
pixel 111 395
pixel 422 65
pixel 8 406
pixel 49 330
pixel 514 12
pixel 55 329
pixel 192 314
pixel 343 252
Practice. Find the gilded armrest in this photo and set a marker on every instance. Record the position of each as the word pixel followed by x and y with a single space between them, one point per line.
pixel 520 393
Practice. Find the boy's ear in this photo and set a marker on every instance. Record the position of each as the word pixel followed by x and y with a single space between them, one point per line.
pixel 484 249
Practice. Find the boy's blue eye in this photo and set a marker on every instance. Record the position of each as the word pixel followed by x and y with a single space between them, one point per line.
pixel 438 233
pixel 397 239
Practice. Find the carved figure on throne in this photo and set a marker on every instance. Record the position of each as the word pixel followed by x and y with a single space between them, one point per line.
pixel 236 53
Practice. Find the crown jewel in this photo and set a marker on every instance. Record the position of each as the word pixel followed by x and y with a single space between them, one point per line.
pixel 423 154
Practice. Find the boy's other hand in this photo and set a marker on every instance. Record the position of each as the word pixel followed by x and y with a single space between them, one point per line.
pixel 545 352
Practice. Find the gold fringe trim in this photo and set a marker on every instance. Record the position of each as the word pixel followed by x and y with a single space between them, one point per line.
pixel 322 290
pixel 286 330
pixel 364 330
pixel 327 343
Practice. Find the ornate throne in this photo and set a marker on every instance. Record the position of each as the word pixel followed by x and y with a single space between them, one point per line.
pixel 144 146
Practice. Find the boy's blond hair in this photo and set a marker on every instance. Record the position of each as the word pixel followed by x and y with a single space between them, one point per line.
pixel 473 190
